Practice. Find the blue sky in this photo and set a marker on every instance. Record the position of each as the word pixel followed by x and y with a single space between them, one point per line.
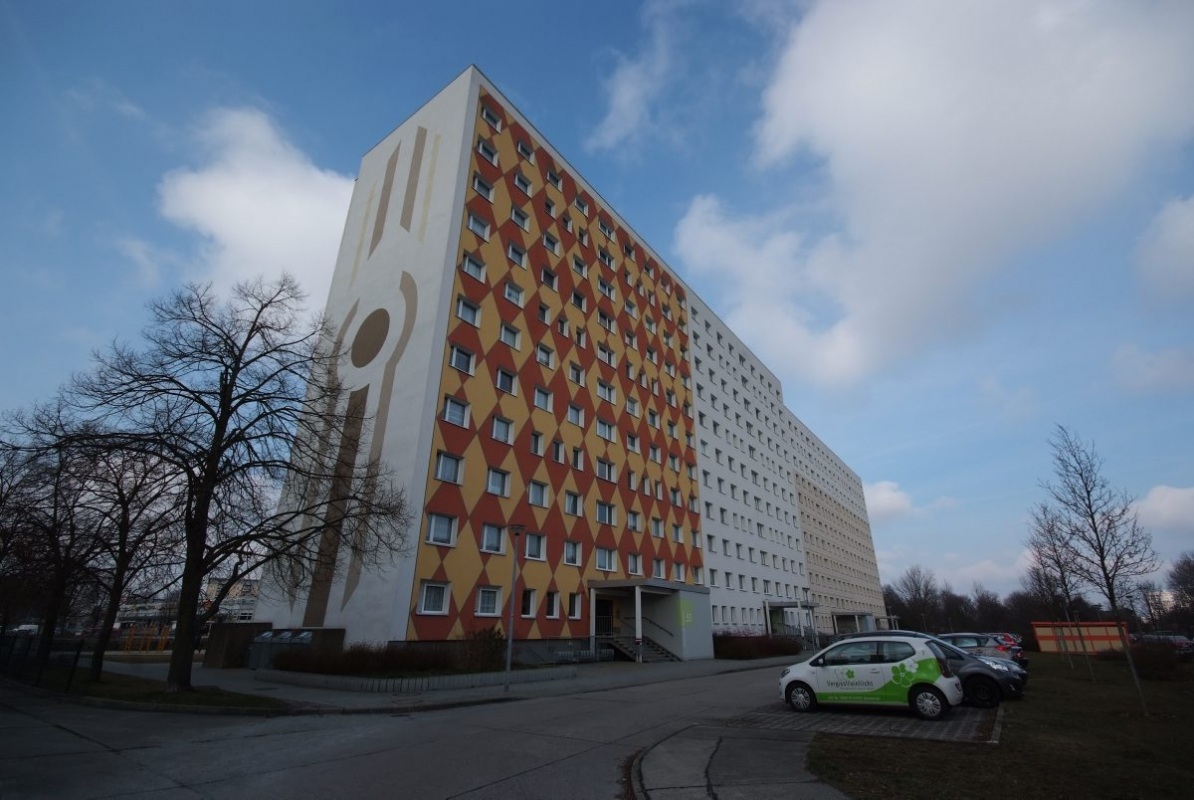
pixel 946 226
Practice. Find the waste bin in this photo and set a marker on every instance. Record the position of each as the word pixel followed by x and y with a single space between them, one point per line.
pixel 267 645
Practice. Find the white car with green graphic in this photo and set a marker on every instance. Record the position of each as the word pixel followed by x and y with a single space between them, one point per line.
pixel 879 671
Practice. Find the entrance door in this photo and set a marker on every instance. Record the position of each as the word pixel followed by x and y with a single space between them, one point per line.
pixel 604 611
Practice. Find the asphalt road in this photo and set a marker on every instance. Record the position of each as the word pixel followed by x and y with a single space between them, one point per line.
pixel 567 746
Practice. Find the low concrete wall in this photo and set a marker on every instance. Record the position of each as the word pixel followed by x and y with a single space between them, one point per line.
pixel 431 683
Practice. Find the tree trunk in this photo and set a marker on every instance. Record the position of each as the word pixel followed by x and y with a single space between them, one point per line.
pixel 182 655
pixel 111 612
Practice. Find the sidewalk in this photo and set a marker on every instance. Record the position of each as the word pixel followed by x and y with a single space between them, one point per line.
pixel 700 761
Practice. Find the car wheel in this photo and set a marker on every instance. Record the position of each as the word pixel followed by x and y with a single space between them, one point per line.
pixel 983 693
pixel 928 703
pixel 801 697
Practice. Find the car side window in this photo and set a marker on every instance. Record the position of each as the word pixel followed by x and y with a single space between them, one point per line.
pixel 896 651
pixel 851 653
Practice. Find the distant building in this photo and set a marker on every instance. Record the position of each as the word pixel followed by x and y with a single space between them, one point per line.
pixel 240 602
pixel 546 387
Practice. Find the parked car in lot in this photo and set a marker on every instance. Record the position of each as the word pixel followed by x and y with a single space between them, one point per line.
pixel 875 670
pixel 984 644
pixel 986 681
pixel 1180 644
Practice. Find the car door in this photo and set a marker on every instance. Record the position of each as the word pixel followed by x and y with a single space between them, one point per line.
pixel 852 672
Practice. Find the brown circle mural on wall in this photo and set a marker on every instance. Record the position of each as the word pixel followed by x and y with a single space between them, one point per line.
pixel 370 337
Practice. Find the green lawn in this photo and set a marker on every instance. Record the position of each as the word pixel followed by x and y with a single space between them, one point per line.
pixel 1070 737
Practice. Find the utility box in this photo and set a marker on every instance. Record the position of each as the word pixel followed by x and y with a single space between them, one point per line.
pixel 229 642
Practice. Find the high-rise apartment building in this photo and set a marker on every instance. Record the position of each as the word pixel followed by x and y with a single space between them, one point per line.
pixel 560 407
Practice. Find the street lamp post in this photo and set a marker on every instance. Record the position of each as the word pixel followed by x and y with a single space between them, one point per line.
pixel 515 532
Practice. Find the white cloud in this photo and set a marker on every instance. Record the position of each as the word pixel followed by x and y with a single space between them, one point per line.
pixel 1167 508
pixel 885 500
pixel 1165 252
pixel 952 136
pixel 260 205
pixel 635 84
pixel 1143 371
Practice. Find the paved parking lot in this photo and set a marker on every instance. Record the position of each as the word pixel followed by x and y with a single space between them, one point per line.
pixel 964 724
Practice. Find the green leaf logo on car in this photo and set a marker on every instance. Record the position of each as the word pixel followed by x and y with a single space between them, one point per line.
pixel 850 674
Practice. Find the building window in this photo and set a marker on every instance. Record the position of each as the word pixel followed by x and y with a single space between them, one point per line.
pixel 525 150
pixel 441 529
pixel 578 458
pixel 489 116
pixel 605 559
pixel 576 415
pixel 513 293
pixel 528 602
pixel 460 359
pixel 632 406
pixel 678 573
pixel 606 430
pixel 551 243
pixel 537 443
pixel 657 568
pixel 581 205
pixel 534 547
pixel 606 470
pixel 506 382
pixel 634 521
pixel 489 601
pixel 472 266
pixel 487 152
pixel 572 553
pixel 467 311
pixel 634 563
pixel 544 355
pixel 578 300
pixel 551 605
pixel 572 504
pixel 523 184
pixel 537 494
pixel 517 255
pixel 433 598
pixel 478 226
pixel 482 188
pixel 632 443
pixel 455 412
pixel 510 335
pixel 449 468
pixel 491 538
pixel 548 278
pixel 498 482
pixel 576 374
pixel 503 430
pixel 554 179
pixel 607 392
pixel 606 355
pixel 574 606
pixel 607 513
pixel 657 527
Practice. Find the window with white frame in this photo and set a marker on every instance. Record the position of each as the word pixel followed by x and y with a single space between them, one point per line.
pixel 433 598
pixel 537 494
pixel 634 563
pixel 553 178
pixel 482 188
pixel 528 606
pixel 491 117
pixel 605 257
pixel 607 470
pixel 487 151
pixel 634 521
pixel 576 415
pixel 521 218
pixel 449 468
pixel 606 561
pixel 441 529
pixel 460 359
pixel 537 443
pixel 513 293
pixel 657 527
pixel 607 355
pixel 551 605
pixel 510 335
pixel 632 405
pixel 578 458
pixel 606 321
pixel 574 605
pixel 579 301
pixel 572 504
pixel 506 381
pixel 607 513
pixel 678 573
pixel 503 430
pixel 606 430
pixel 605 228
pixel 606 288
pixel 478 226
pixel 677 532
pixel 576 374
pixel 544 355
pixel 522 182
pixel 456 412
pixel 498 482
pixel 468 312
pixel 557 451
pixel 657 569
pixel 492 537
pixel 632 443
pixel 573 552
pixel 525 150
pixel 535 550
pixel 581 205
pixel 548 278
pixel 517 256
pixel 489 601
pixel 472 266
pixel 551 243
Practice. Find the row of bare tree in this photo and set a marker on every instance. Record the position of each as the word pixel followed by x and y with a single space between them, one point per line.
pixel 207 450
pixel 1084 537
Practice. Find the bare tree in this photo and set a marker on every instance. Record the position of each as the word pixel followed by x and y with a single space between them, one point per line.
pixel 918 589
pixel 1181 581
pixel 240 397
pixel 1106 547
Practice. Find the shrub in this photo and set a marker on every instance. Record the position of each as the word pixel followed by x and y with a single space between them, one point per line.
pixel 1157 661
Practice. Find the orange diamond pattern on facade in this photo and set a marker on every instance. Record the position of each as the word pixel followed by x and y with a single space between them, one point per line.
pixel 573 339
